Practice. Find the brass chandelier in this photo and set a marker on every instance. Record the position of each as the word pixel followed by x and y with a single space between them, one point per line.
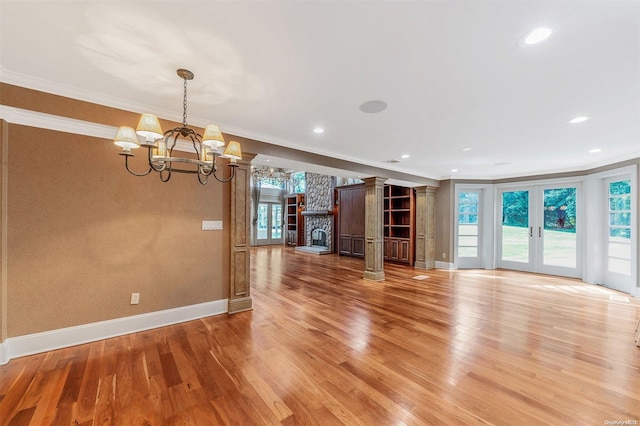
pixel 160 146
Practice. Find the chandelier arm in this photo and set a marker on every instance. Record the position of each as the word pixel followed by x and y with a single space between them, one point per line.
pixel 126 164
pixel 233 173
pixel 167 137
pixel 162 178
pixel 200 177
pixel 152 165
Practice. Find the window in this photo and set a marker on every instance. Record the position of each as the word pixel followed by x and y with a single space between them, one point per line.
pixel 298 182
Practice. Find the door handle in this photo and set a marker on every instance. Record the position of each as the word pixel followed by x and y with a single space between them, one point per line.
pixel 531 231
pixel 539 232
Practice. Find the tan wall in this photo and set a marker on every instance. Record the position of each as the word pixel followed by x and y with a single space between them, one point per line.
pixel 444 234
pixel 83 235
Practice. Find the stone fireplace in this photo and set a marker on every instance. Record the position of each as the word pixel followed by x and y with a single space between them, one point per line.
pixel 318 214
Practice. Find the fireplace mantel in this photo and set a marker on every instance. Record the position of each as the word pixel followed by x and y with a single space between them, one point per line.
pixel 317 213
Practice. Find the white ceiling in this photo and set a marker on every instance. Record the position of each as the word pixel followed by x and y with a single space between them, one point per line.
pixel 454 74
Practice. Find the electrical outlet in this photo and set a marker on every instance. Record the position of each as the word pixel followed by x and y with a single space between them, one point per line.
pixel 444 255
pixel 135 298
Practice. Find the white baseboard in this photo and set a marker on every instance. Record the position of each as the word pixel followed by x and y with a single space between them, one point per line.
pixel 65 337
pixel 445 265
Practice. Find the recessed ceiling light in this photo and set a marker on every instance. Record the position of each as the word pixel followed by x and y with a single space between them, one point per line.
pixel 373 107
pixel 454 170
pixel 593 151
pixel 405 156
pixel 537 35
pixel 318 130
pixel 467 149
pixel 577 120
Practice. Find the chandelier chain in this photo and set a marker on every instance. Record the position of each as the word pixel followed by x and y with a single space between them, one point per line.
pixel 184 105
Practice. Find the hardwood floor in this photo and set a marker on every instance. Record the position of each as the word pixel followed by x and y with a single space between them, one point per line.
pixel 322 346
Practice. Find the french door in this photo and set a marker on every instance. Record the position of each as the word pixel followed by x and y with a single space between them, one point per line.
pixel 269 224
pixel 538 229
pixel 618 235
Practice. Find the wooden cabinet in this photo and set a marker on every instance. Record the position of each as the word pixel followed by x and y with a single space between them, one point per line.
pixel 399 224
pixel 350 223
pixel 294 229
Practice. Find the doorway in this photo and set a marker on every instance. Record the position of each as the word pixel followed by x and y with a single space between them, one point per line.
pixel 269 226
pixel 538 229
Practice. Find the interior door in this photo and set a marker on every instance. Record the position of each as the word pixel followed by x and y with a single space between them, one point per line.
pixel 538 231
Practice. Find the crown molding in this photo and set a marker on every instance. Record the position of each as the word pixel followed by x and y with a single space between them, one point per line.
pixel 41 120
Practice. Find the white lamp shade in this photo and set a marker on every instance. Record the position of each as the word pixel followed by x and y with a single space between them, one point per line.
pixel 126 138
pixel 212 137
pixel 149 127
pixel 233 151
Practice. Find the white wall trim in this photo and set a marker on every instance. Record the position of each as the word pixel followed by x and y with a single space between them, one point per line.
pixel 445 265
pixel 65 337
pixel 57 123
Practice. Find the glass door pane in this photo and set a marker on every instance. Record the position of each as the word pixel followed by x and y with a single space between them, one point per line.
pixel 468 224
pixel 515 232
pixel 263 221
pixel 559 247
pixel 276 223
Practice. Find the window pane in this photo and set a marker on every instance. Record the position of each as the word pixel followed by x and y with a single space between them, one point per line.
pixel 515 208
pixel 276 221
pixel 620 203
pixel 620 250
pixel 620 233
pixel 620 219
pixel 620 266
pixel 262 221
pixel 620 187
pixel 468 230
pixel 468 241
pixel 468 198
pixel 468 218
pixel 560 209
pixel 467 251
pixel 468 208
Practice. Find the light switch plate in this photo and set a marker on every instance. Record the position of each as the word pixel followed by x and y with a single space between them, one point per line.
pixel 211 225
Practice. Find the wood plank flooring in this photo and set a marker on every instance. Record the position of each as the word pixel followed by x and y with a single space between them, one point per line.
pixel 325 347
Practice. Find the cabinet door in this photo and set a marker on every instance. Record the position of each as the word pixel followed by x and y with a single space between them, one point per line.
pixel 345 244
pixel 357 246
pixel 385 249
pixel 403 250
pixel 393 250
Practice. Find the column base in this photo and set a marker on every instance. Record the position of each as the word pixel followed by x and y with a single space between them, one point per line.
pixel 240 304
pixel 374 276
pixel 430 264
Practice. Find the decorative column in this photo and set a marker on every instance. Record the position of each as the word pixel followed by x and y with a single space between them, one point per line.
pixel 240 231
pixel 374 228
pixel 425 227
